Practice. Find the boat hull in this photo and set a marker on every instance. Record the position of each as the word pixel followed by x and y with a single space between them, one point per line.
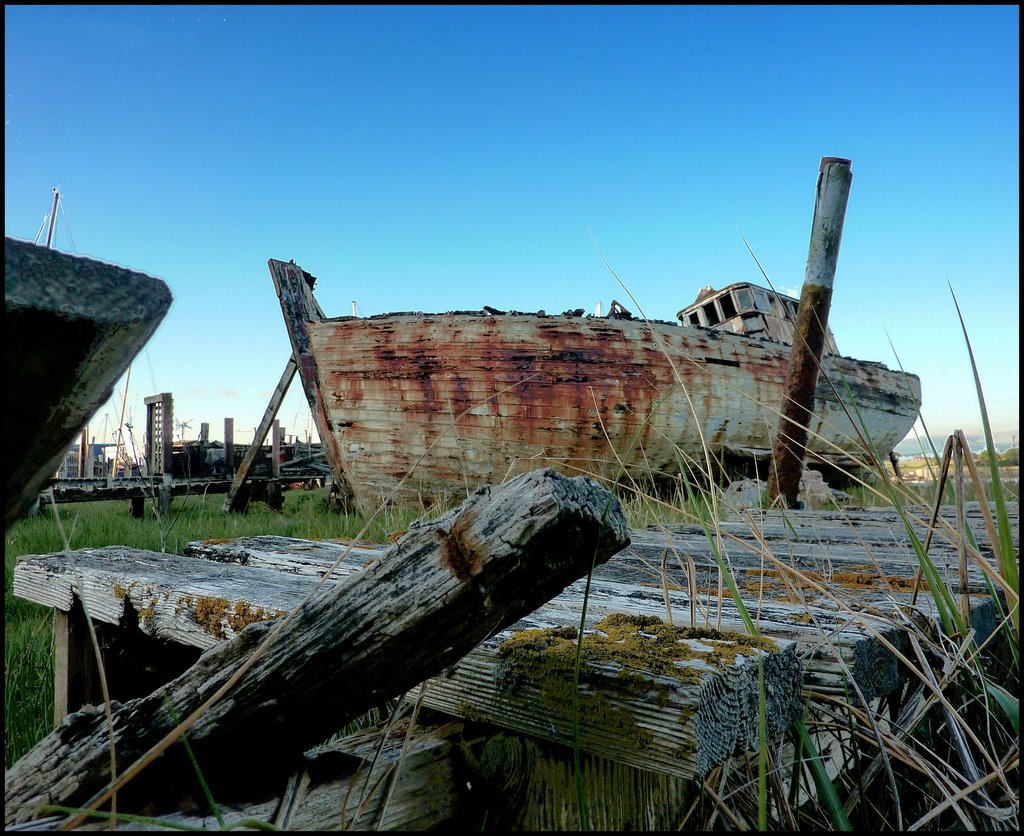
pixel 429 406
pixel 72 326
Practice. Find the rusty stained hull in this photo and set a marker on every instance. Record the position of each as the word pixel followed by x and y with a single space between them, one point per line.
pixel 451 401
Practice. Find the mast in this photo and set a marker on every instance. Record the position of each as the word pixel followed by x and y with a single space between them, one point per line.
pixel 53 217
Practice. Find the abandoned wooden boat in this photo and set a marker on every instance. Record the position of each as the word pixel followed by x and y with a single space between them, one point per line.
pixel 413 406
pixel 72 326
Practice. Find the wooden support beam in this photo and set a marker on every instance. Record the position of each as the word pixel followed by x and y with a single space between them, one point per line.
pixel 76 680
pixel 231 501
pixel 275 449
pixel 294 288
pixel 832 193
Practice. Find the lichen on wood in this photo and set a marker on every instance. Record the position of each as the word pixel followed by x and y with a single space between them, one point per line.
pixel 645 652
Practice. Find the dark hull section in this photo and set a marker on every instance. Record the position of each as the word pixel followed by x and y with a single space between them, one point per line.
pixel 72 326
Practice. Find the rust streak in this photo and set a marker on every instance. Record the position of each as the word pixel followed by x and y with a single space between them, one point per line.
pixel 459 556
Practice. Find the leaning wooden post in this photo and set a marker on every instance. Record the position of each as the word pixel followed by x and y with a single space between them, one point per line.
pixel 230 501
pixel 833 190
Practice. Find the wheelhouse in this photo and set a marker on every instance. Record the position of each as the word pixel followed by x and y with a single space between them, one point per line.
pixel 745 308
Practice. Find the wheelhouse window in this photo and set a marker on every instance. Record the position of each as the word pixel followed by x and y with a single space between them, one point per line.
pixel 761 300
pixel 728 308
pixel 711 313
pixel 744 299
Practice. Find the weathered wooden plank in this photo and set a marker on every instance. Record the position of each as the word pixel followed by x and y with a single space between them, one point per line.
pixel 440 590
pixel 96 490
pixel 371 780
pixel 201 602
pixel 626 584
pixel 457 775
pixel 862 558
pixel 525 784
pixel 668 700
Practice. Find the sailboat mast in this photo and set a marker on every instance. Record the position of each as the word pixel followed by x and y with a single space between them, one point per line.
pixel 53 217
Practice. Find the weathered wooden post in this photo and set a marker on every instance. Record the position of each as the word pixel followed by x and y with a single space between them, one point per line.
pixel 833 190
pixel 84 457
pixel 275 494
pixel 229 447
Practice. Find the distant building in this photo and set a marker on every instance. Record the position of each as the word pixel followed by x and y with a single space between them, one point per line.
pixel 96 467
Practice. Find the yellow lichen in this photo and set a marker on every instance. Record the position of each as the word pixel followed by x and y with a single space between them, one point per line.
pixel 210 614
pixel 859 578
pixel 643 650
pixel 468 711
pixel 147 614
pixel 215 615
pixel 244 614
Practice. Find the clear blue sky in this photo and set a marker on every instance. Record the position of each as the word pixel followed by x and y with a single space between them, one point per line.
pixel 440 158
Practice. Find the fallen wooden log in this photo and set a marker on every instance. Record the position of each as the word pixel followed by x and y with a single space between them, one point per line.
pixel 435 594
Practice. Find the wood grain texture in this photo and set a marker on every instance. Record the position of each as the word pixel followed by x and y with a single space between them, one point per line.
pixel 435 594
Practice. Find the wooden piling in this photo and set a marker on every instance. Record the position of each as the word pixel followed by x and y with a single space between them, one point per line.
pixel 229 446
pixel 84 471
pixel 831 195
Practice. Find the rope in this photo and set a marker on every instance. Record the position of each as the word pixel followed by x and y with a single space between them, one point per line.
pixel 60 204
